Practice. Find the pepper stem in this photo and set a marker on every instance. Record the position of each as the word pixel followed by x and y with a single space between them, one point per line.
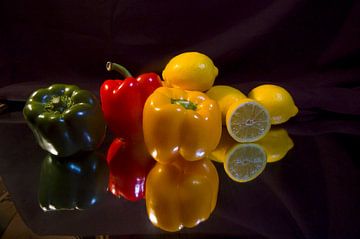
pixel 58 104
pixel 184 103
pixel 119 68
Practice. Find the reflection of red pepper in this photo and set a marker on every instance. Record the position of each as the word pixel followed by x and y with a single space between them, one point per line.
pixel 129 164
pixel 123 101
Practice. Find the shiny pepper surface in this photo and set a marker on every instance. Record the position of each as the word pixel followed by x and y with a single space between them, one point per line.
pixel 180 123
pixel 122 101
pixel 181 194
pixel 65 119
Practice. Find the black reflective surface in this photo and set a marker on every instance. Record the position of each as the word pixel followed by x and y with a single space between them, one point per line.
pixel 311 193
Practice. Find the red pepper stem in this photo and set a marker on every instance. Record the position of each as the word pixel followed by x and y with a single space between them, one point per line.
pixel 119 68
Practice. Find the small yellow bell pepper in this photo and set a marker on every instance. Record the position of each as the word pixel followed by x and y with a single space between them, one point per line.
pixel 183 123
pixel 181 194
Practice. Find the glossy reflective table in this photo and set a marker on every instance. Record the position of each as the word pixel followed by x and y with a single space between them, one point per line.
pixel 311 193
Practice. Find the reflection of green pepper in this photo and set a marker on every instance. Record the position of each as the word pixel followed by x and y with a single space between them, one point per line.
pixel 75 182
pixel 65 119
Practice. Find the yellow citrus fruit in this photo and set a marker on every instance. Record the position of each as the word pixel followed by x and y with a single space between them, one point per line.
pixel 226 142
pixel 276 100
pixel 276 144
pixel 244 162
pixel 190 71
pixel 225 96
pixel 247 121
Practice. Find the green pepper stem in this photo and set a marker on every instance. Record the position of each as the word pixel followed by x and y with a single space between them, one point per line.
pixel 184 103
pixel 119 68
pixel 58 104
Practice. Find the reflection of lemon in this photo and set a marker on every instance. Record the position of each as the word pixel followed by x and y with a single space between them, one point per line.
pixel 247 121
pixel 226 142
pixel 276 100
pixel 276 144
pixel 244 162
pixel 190 71
pixel 225 96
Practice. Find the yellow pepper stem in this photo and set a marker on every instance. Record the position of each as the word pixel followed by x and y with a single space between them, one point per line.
pixel 184 103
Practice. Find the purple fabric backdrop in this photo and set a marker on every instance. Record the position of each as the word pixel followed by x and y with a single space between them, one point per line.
pixel 311 47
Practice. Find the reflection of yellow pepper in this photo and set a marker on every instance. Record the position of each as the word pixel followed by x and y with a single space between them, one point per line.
pixel 178 122
pixel 181 194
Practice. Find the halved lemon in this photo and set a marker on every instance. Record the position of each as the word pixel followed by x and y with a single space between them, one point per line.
pixel 247 121
pixel 244 162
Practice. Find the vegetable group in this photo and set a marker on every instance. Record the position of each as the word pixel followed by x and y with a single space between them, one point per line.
pixel 165 135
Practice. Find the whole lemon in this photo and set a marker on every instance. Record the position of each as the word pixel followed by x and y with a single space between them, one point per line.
pixel 190 71
pixel 225 96
pixel 276 100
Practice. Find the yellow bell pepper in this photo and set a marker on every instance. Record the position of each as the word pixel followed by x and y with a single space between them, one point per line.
pixel 183 123
pixel 181 194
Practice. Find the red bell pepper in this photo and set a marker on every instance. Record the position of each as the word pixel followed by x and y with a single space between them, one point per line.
pixel 123 100
pixel 129 164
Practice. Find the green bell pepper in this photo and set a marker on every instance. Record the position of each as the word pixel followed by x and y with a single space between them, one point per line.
pixel 65 119
pixel 72 183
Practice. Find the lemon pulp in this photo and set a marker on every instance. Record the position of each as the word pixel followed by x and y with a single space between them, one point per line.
pixel 247 121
